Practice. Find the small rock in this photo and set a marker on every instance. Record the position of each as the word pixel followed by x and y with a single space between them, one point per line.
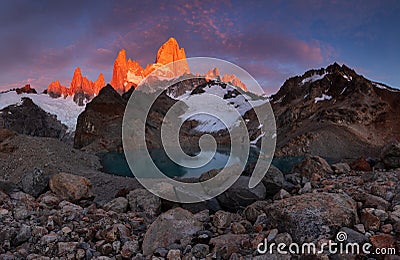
pixel 372 201
pixel 141 200
pixel 70 186
pixel 161 252
pixel 34 183
pixel 80 254
pixel 222 219
pixel 360 228
pixel 106 249
pixel 203 216
pixel 273 180
pixel 174 254
pixel 353 236
pixel 306 188
pixel 119 205
pixel 66 230
pixel 23 235
pixel 283 238
pixel 129 248
pixel 370 221
pixel 381 214
pixel 200 250
pixel 383 241
pixel 390 155
pixel 341 168
pixel 282 194
pixel 65 248
pixel 387 228
pixel 49 238
pixel 238 228
pixel 225 245
pixel 272 234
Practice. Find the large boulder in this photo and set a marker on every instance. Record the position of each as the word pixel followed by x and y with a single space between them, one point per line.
pixel 310 216
pixel 390 155
pixel 169 227
pixel 70 187
pixel 239 195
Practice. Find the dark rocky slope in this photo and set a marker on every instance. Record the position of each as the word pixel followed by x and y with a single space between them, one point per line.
pixel 336 113
pixel 29 119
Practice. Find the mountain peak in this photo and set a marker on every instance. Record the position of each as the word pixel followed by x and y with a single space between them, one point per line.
pixel 170 52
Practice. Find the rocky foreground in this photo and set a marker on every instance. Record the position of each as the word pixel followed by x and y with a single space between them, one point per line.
pixel 55 217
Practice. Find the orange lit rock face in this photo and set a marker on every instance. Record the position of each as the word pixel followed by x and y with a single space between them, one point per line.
pixel 56 90
pixel 79 84
pixel 125 73
pixel 128 73
pixel 99 84
pixel 228 78
pixel 170 52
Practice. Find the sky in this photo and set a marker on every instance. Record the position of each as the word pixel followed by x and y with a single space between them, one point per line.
pixel 44 41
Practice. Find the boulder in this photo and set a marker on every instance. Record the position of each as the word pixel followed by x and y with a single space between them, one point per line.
pixel 169 227
pixel 239 195
pixel 273 180
pixel 34 183
pixel 118 205
pixel 141 200
pixel 311 216
pixel 312 165
pixel 390 155
pixel 70 186
pixel 361 164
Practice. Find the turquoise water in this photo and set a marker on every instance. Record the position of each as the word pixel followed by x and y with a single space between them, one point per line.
pixel 115 163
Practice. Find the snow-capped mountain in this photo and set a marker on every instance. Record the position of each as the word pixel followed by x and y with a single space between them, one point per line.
pixel 336 113
pixel 65 109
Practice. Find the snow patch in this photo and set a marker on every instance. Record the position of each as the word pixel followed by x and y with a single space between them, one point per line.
pixel 349 78
pixel 230 107
pixel 313 78
pixel 384 87
pixel 258 138
pixel 322 98
pixel 66 110
pixel 343 91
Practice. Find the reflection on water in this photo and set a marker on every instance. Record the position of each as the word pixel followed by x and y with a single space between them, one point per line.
pixel 115 163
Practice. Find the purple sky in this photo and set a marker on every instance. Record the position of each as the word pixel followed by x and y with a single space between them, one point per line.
pixel 42 41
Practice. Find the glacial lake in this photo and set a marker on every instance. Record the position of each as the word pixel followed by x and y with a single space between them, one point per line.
pixel 115 163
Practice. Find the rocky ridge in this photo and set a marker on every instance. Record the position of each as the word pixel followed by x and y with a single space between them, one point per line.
pixel 335 113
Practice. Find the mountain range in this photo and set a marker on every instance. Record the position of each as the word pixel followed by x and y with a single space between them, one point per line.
pixel 332 112
pixel 128 73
